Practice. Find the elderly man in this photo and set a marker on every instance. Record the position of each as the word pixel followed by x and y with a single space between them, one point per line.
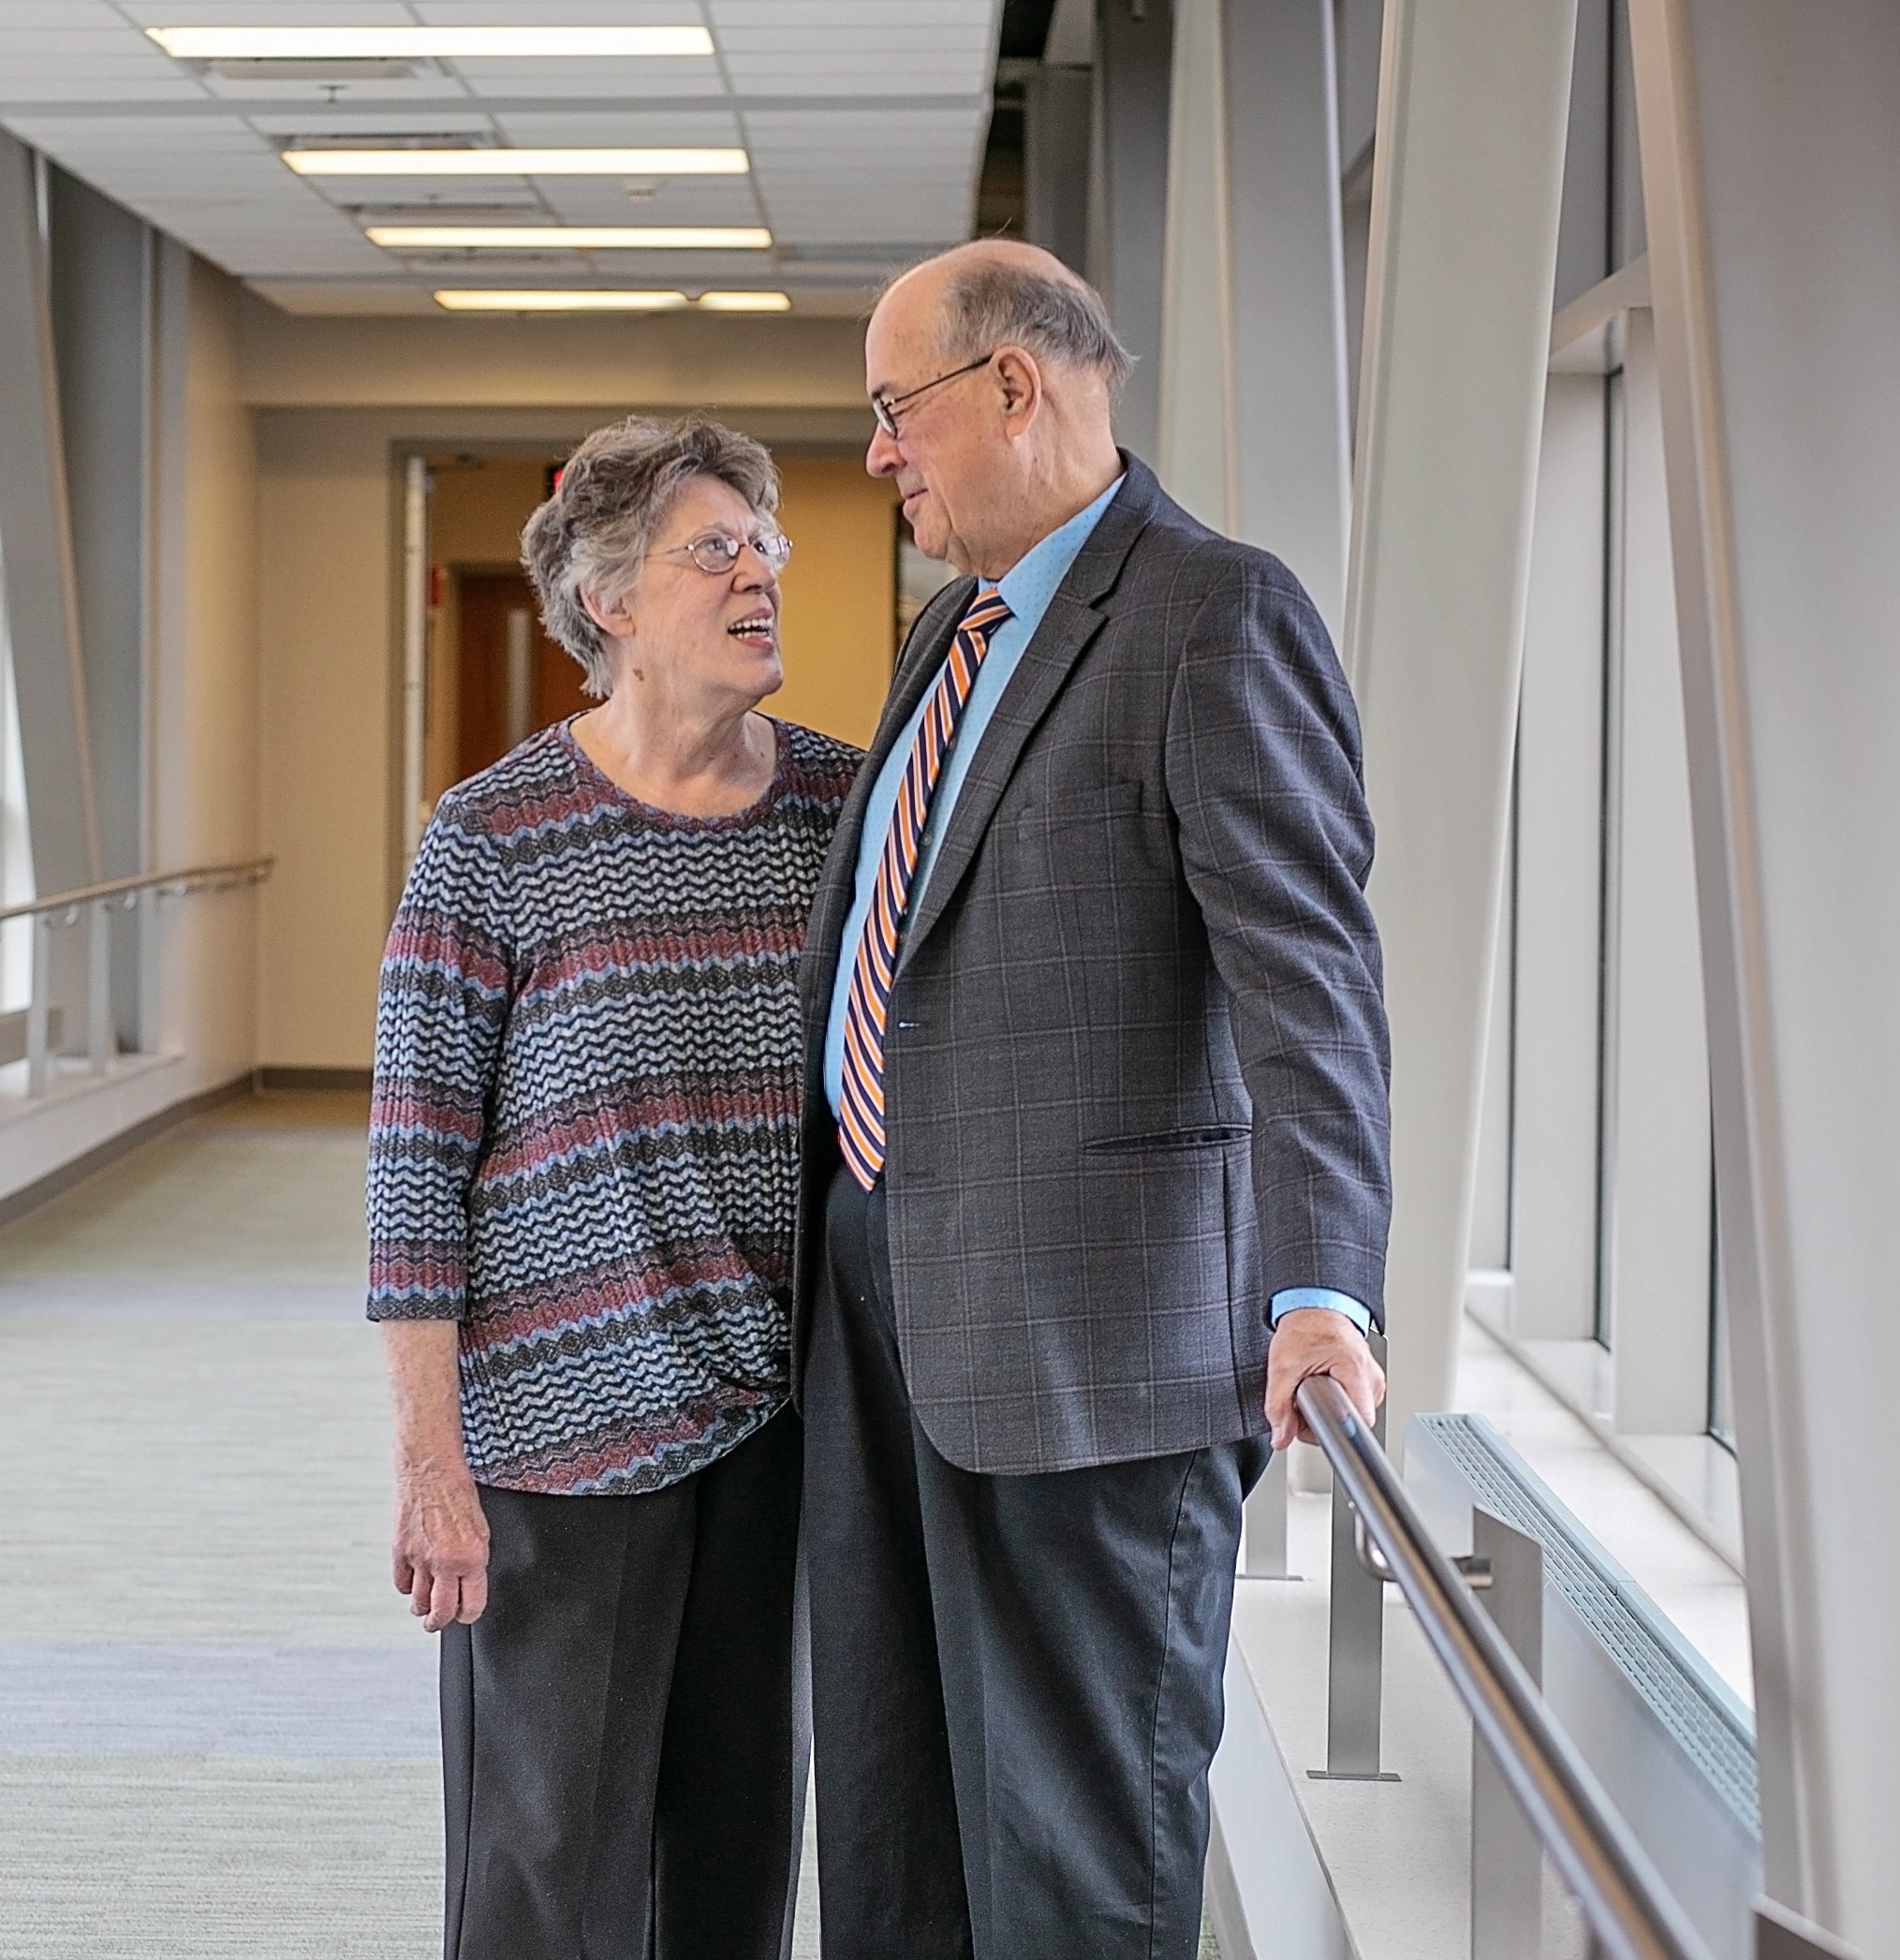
pixel 1096 1104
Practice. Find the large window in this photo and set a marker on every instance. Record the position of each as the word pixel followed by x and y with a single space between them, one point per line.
pixel 1597 1181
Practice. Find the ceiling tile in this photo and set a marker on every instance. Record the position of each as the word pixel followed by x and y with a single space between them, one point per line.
pixel 854 189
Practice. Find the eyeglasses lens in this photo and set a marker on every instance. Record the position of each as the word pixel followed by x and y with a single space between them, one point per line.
pixel 719 553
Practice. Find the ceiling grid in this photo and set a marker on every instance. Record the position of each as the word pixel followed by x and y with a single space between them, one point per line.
pixel 863 121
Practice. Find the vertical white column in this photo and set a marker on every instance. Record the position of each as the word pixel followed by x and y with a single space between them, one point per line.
pixel 1194 446
pixel 1770 160
pixel 415 646
pixel 37 562
pixel 1128 190
pixel 1457 333
pixel 1559 856
pixel 1657 1186
pixel 1289 462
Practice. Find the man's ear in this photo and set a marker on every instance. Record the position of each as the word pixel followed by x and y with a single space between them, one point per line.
pixel 1020 382
pixel 609 614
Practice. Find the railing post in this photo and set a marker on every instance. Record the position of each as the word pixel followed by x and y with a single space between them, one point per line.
pixel 38 1005
pixel 1506 1863
pixel 1265 1520
pixel 99 1042
pixel 1355 1644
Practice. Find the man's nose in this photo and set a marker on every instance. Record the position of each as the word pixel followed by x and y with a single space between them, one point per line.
pixel 884 455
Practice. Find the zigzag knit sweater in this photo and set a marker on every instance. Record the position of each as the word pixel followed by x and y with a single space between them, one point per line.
pixel 583 1135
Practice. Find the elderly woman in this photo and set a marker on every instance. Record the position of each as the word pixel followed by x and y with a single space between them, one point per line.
pixel 581 1193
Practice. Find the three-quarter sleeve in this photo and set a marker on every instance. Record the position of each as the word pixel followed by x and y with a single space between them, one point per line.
pixel 440 1016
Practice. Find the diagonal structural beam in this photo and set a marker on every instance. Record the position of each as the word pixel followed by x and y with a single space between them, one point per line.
pixel 35 548
pixel 1467 178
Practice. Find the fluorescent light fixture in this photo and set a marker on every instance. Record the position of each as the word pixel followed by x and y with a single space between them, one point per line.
pixel 571 238
pixel 746 301
pixel 462 300
pixel 518 163
pixel 426 43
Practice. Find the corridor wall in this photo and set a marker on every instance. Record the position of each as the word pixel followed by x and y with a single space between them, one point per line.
pixel 337 403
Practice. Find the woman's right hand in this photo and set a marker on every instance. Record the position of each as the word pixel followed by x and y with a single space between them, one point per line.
pixel 441 1543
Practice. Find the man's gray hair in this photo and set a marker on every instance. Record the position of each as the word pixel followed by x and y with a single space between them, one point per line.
pixel 610 496
pixel 990 303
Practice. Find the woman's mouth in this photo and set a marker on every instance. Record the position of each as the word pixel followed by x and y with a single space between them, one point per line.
pixel 756 629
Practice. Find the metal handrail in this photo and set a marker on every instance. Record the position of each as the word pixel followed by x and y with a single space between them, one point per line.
pixel 241 871
pixel 1631 1914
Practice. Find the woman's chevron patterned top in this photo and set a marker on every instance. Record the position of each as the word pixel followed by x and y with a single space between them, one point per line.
pixel 583 1137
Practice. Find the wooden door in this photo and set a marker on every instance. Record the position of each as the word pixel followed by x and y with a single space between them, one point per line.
pixel 511 677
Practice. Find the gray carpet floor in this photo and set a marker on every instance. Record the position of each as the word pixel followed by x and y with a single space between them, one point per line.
pixel 217 1725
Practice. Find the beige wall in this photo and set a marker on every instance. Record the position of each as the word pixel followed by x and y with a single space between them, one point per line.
pixel 327 518
pixel 329 636
pixel 730 365
pixel 203 678
pixel 840 620
pixel 337 404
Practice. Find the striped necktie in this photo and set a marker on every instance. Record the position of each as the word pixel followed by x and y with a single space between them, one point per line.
pixel 860 1102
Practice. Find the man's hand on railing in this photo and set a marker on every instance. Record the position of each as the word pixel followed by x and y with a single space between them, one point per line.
pixel 1315 1340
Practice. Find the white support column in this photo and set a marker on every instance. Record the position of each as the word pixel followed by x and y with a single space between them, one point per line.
pixel 1196 441
pixel 415 647
pixel 1129 192
pixel 1457 335
pixel 1559 861
pixel 1055 152
pixel 1770 158
pixel 1289 462
pixel 36 547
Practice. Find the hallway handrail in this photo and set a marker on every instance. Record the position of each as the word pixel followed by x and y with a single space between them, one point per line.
pixel 241 871
pixel 1631 1914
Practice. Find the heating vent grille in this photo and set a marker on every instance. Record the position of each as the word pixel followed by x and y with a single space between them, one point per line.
pixel 1711 1734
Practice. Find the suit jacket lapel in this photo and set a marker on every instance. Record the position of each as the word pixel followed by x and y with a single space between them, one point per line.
pixel 923 655
pixel 1072 620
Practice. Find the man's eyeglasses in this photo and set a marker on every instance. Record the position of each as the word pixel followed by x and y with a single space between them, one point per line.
pixel 717 552
pixel 884 407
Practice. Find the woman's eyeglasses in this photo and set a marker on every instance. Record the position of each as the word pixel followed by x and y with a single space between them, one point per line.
pixel 717 552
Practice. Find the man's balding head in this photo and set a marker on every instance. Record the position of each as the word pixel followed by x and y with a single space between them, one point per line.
pixel 995 370
pixel 1002 292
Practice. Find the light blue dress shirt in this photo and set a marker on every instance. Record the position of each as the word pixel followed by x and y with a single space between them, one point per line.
pixel 1026 588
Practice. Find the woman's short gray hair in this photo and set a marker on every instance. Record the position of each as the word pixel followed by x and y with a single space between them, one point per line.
pixel 990 303
pixel 593 533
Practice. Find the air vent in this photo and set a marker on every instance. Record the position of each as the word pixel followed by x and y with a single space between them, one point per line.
pixel 317 70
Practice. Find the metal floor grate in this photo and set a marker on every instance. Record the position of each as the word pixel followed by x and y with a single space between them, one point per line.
pixel 1714 1732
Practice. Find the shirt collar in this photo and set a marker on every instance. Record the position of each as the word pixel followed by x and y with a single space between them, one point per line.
pixel 1030 583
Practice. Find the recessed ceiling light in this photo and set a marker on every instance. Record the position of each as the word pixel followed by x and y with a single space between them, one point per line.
pixel 571 238
pixel 463 300
pixel 746 301
pixel 426 43
pixel 518 163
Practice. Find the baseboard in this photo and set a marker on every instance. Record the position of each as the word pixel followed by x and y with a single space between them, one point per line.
pixel 55 1184
pixel 1226 1913
pixel 354 1081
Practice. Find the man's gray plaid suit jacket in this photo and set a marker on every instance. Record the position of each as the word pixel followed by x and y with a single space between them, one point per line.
pixel 1135 1060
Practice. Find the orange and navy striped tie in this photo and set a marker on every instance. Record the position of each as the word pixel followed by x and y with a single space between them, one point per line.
pixel 860 1101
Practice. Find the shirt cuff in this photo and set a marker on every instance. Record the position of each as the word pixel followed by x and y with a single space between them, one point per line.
pixel 1285 1302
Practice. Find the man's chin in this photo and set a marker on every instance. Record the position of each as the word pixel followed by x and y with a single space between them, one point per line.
pixel 927 536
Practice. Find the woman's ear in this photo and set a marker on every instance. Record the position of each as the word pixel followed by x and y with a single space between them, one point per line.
pixel 610 614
